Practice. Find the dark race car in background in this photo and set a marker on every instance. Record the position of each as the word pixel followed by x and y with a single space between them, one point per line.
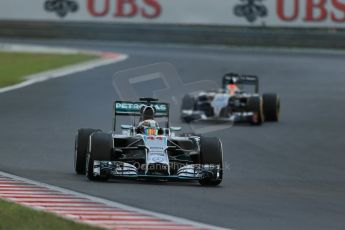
pixel 147 150
pixel 238 101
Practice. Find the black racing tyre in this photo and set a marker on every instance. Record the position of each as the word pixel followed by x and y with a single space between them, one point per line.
pixel 255 105
pixel 100 148
pixel 271 105
pixel 188 103
pixel 211 152
pixel 80 149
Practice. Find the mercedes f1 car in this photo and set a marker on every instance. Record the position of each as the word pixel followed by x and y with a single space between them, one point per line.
pixel 147 150
pixel 237 101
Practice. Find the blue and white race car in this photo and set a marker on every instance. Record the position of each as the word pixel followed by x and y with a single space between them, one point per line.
pixel 238 101
pixel 148 150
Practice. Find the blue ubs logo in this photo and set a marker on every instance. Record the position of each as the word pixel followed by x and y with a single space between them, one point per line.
pixel 61 7
pixel 251 10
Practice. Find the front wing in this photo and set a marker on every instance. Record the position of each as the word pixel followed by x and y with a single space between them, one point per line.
pixel 118 169
pixel 193 115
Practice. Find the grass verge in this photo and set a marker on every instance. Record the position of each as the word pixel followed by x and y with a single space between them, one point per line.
pixel 16 217
pixel 15 66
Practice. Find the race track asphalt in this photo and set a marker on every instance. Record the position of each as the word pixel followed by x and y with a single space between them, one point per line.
pixel 289 175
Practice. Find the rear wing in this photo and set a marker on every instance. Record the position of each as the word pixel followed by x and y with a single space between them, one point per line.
pixel 241 79
pixel 129 108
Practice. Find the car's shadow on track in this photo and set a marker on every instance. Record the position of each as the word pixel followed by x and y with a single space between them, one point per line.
pixel 126 181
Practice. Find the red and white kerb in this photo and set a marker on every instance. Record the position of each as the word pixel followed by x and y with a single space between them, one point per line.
pixel 85 209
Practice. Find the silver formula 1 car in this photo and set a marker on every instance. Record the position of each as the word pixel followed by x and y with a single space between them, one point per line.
pixel 238 101
pixel 147 150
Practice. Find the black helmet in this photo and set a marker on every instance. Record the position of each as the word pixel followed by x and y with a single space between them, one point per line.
pixel 233 80
pixel 147 113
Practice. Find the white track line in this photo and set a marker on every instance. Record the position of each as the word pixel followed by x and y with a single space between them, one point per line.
pixel 20 48
pixel 106 58
pixel 88 209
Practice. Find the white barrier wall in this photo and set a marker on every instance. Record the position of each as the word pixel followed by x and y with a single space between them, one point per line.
pixel 270 13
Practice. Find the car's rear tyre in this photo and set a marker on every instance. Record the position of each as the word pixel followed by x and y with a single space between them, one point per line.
pixel 80 149
pixel 100 149
pixel 255 105
pixel 188 102
pixel 271 105
pixel 211 152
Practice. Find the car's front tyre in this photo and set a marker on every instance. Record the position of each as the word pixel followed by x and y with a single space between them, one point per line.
pixel 188 103
pixel 80 149
pixel 211 153
pixel 100 149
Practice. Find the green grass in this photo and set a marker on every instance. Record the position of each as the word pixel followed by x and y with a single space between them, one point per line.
pixel 15 66
pixel 16 217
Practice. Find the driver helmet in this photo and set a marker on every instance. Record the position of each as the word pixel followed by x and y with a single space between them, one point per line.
pixel 232 87
pixel 147 113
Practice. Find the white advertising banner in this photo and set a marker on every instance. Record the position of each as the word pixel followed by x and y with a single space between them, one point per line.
pixel 269 13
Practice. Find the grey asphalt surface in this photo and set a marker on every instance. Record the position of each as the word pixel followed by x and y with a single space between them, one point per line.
pixel 289 175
